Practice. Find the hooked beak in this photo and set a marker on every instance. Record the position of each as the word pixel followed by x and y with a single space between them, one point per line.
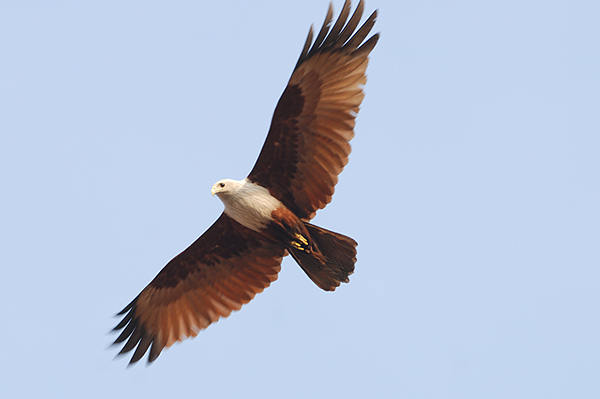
pixel 213 190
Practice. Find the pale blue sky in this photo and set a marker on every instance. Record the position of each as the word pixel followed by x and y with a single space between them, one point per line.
pixel 473 190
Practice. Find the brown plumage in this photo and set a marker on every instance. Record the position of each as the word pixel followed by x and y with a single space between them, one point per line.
pixel 307 146
pixel 266 215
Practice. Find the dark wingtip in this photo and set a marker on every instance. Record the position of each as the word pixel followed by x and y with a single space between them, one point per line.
pixel 128 307
pixel 134 335
pixel 343 35
pixel 368 46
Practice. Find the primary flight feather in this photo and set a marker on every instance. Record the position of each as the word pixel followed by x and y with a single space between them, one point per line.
pixel 267 214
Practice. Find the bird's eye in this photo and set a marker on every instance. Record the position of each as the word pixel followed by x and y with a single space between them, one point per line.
pixel 221 185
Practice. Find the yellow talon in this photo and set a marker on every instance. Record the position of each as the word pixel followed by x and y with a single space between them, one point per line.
pixel 300 242
pixel 302 239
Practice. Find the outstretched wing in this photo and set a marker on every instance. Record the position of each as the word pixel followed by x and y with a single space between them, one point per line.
pixel 308 142
pixel 222 270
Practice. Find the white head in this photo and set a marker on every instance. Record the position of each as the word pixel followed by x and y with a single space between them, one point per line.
pixel 247 203
pixel 225 187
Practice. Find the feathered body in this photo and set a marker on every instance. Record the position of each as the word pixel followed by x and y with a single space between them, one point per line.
pixel 247 203
pixel 267 215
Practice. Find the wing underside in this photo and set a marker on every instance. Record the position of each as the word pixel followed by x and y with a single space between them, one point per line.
pixel 224 269
pixel 308 142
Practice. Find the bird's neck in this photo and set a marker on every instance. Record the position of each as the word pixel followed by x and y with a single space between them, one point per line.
pixel 250 205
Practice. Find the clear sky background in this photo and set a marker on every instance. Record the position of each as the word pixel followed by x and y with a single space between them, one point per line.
pixel 473 190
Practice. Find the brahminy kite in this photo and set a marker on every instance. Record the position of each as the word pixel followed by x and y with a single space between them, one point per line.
pixel 267 214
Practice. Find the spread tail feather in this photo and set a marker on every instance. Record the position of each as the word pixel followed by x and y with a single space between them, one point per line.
pixel 334 260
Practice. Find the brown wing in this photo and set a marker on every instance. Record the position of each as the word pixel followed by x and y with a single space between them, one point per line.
pixel 218 273
pixel 308 142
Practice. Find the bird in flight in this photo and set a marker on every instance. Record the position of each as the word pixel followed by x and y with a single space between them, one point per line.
pixel 267 214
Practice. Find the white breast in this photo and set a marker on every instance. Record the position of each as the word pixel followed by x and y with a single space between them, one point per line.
pixel 250 205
